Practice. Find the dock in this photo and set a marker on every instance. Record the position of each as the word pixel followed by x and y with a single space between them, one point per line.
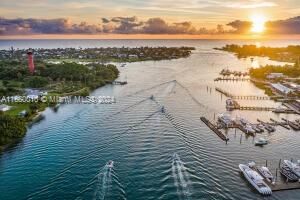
pixel 214 129
pixel 293 125
pixel 282 124
pixel 256 108
pixel 119 82
pixel 247 97
pixel 231 79
pixel 281 181
pixel 284 186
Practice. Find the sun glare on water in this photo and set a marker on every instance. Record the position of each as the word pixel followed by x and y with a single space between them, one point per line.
pixel 258 23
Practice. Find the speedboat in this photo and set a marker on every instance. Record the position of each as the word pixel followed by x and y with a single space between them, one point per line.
pixel 225 120
pixel 110 164
pixel 265 172
pixel 294 167
pixel 255 180
pixel 261 141
pixel 249 129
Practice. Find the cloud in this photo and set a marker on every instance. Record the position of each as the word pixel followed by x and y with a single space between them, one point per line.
pixel 132 25
pixel 45 26
pixel 251 5
pixel 240 26
pixel 289 26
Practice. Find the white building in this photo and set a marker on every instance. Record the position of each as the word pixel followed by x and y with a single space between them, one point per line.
pixel 281 88
pixel 275 75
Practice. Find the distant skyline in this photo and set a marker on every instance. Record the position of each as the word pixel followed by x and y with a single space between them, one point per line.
pixel 153 17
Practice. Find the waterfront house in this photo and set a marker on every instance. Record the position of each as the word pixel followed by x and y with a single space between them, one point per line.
pixel 275 75
pixel 281 89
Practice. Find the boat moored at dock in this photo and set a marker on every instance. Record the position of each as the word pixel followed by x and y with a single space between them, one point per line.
pixel 294 167
pixel 265 172
pixel 255 180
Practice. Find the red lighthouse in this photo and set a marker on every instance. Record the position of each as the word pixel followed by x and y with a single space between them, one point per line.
pixel 30 61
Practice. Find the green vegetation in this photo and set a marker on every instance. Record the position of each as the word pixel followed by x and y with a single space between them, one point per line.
pixel 262 72
pixel 12 128
pixel 286 54
pixel 114 54
pixel 58 79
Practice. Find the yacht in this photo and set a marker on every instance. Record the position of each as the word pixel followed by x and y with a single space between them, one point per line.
pixel 225 120
pixel 294 167
pixel 265 172
pixel 255 180
pixel 261 141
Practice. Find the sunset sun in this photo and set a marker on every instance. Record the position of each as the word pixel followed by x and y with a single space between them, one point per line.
pixel 258 23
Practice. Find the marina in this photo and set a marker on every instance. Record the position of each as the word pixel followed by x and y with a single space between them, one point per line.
pixel 214 128
pixel 277 179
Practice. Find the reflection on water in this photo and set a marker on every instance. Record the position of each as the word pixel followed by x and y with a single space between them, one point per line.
pixel 158 155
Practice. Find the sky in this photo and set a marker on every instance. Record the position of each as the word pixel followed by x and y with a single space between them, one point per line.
pixel 151 17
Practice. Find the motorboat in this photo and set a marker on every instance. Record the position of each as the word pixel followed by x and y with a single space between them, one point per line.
pixel 225 120
pixel 248 128
pixel 269 128
pixel 255 180
pixel 110 164
pixel 231 104
pixel 294 167
pixel 261 127
pixel 261 141
pixel 265 172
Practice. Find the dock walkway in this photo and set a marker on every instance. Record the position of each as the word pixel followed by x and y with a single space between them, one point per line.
pixel 214 128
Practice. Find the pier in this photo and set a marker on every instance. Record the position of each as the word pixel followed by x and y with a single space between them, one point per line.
pixel 119 82
pixel 293 125
pixel 282 124
pixel 256 108
pixel 281 181
pixel 227 72
pixel 231 79
pixel 214 129
pixel 248 97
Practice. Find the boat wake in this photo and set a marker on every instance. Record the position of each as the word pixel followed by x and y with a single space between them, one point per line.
pixel 104 182
pixel 181 178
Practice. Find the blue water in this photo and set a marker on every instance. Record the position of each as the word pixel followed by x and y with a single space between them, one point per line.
pixel 156 155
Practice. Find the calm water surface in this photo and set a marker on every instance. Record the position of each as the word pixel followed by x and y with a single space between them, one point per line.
pixel 170 155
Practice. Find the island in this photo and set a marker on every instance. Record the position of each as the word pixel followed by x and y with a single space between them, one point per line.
pixel 61 72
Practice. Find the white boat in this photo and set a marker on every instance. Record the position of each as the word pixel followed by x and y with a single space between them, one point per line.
pixel 265 172
pixel 261 141
pixel 110 164
pixel 249 129
pixel 294 167
pixel 225 119
pixel 255 180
